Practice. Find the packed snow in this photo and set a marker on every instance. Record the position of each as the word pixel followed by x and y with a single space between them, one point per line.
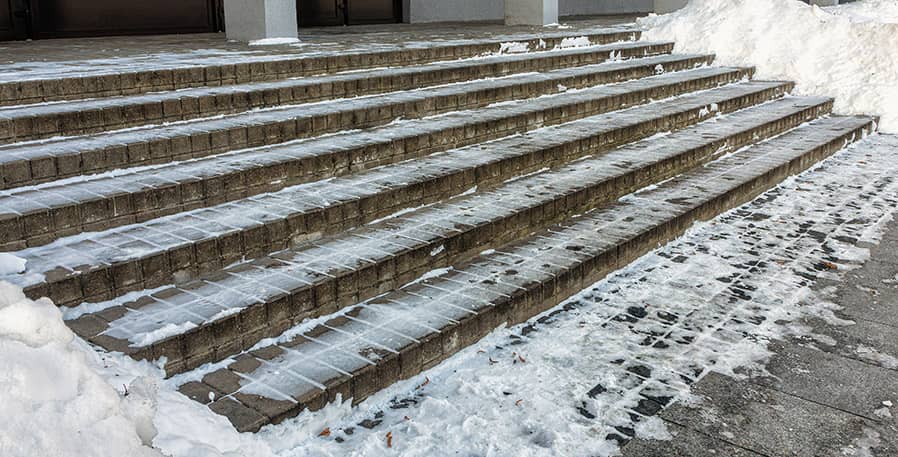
pixel 54 402
pixel 847 52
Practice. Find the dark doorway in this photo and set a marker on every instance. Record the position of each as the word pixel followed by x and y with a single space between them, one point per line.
pixel 84 18
pixel 14 17
pixel 348 12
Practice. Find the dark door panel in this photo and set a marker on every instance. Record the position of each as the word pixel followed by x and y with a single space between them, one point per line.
pixel 13 19
pixel 321 12
pixel 373 12
pixel 72 18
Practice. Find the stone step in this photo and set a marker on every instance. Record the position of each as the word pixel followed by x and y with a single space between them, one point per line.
pixel 37 215
pixel 41 161
pixel 162 77
pixel 81 117
pixel 107 264
pixel 374 344
pixel 231 310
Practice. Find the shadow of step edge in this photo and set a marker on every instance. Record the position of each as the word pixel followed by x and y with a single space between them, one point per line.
pixel 83 117
pixel 264 298
pixel 405 332
pixel 44 161
pixel 164 79
pixel 36 216
pixel 96 267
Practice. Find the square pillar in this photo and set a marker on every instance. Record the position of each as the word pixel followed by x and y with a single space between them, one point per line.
pixel 248 20
pixel 531 12
pixel 668 6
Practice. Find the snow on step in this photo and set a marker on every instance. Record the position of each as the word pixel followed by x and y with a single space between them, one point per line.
pixel 411 102
pixel 32 162
pixel 40 82
pixel 168 106
pixel 131 194
pixel 244 227
pixel 397 335
pixel 291 285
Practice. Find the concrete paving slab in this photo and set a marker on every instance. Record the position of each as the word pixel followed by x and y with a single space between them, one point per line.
pixel 773 423
pixel 829 379
pixel 685 443
pixel 866 341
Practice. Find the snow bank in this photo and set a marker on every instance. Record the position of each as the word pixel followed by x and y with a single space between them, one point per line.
pixel 54 403
pixel 869 11
pixel 845 55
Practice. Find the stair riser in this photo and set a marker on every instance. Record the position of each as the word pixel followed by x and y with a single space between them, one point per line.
pixel 540 296
pixel 191 260
pixel 183 354
pixel 188 107
pixel 46 225
pixel 129 83
pixel 127 208
pixel 201 144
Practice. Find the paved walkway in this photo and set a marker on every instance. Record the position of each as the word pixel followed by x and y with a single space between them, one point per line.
pixel 833 393
pixel 56 58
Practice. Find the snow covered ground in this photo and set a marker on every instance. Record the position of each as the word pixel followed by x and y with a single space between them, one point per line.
pixel 849 52
pixel 579 379
pixel 573 382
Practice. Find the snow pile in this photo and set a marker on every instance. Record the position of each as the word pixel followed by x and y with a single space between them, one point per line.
pixel 10 264
pixel 54 403
pixel 836 55
pixel 869 11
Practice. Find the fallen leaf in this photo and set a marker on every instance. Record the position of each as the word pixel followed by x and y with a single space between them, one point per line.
pixel 830 265
pixel 426 382
pixel 325 432
pixel 492 362
pixel 389 439
pixel 518 403
pixel 521 358
pixel 407 418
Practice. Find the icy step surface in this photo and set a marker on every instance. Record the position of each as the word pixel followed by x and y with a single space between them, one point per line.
pixel 222 313
pixel 32 162
pixel 83 78
pixel 126 196
pixel 398 335
pixel 421 100
pixel 148 254
pixel 132 110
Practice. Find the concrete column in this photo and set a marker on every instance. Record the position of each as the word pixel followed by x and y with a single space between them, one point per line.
pixel 531 12
pixel 248 20
pixel 667 6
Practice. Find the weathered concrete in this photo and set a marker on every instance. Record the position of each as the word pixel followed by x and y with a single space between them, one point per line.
pixel 668 6
pixel 831 392
pixel 770 422
pixel 248 20
pixel 531 12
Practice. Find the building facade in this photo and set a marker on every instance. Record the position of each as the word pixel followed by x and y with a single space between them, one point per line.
pixel 41 19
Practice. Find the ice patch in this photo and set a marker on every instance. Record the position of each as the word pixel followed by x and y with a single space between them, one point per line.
pixel 273 41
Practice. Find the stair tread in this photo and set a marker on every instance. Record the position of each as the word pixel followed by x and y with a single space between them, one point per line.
pixel 105 67
pixel 158 235
pixel 228 162
pixel 306 366
pixel 71 145
pixel 11 112
pixel 239 287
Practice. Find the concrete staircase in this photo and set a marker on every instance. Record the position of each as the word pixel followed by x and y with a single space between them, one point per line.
pixel 291 231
